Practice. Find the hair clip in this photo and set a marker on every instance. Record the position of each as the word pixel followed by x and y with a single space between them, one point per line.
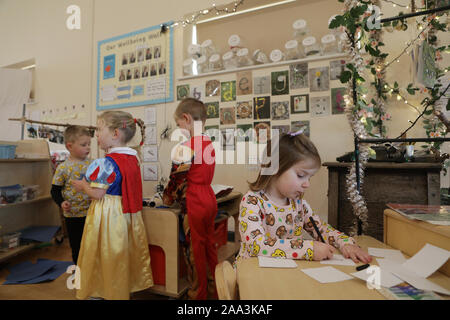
pixel 293 134
pixel 135 121
pixel 124 124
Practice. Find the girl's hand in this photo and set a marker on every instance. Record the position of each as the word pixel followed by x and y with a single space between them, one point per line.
pixel 355 253
pixel 80 185
pixel 322 251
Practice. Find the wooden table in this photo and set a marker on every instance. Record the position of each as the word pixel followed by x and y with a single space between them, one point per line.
pixel 410 236
pixel 384 182
pixel 257 283
pixel 162 230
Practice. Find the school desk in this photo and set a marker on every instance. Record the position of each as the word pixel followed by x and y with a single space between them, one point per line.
pixel 255 283
pixel 410 236
pixel 162 228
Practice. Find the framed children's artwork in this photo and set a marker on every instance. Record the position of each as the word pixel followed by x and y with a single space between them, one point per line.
pixel 228 91
pixel 150 153
pixel 244 110
pixel 212 88
pixel 212 110
pixel 244 83
pixel 261 85
pixel 261 108
pixel 320 106
pixel 197 92
pixel 300 103
pixel 130 51
pixel 244 132
pixel 298 75
pixel 150 171
pixel 282 129
pixel 280 83
pixel 336 68
pixel 227 116
pixel 301 125
pixel 319 79
pixel 262 130
pixel 227 138
pixel 280 110
pixel 337 100
pixel 183 91
pixel 212 132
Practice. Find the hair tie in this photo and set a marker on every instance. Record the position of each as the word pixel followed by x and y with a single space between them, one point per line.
pixel 135 121
pixel 293 134
pixel 124 124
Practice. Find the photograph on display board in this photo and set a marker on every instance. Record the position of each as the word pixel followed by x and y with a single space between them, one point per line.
pixel 261 108
pixel 297 125
pixel 300 103
pixel 244 132
pixel 261 85
pixel 282 129
pixel 130 59
pixel 320 106
pixel 280 110
pixel 262 130
pixel 298 75
pixel 319 79
pixel 228 91
pixel 337 100
pixel 244 83
pixel 336 68
pixel 227 116
pixel 183 91
pixel 212 110
pixel 244 110
pixel 212 88
pixel 280 83
pixel 212 132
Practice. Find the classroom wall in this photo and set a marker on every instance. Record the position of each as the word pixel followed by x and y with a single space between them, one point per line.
pixel 67 62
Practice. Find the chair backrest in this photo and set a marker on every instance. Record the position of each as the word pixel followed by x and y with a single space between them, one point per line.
pixel 226 282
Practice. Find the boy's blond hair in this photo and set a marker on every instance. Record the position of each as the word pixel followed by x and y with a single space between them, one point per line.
pixel 193 107
pixel 72 133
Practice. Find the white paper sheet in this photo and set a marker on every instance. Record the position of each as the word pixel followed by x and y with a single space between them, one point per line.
pixel 269 262
pixel 384 278
pixel 150 172
pixel 150 153
pixel 339 260
pixel 327 274
pixel 394 255
pixel 150 115
pixel 150 135
pixel 429 259
pixel 156 88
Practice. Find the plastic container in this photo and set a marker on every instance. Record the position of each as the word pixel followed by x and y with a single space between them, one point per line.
pixel 293 51
pixel 11 194
pixel 202 65
pixel 208 48
pixel 31 192
pixel 235 43
pixel 300 30
pixel 215 63
pixel 194 51
pixel 229 60
pixel 243 58
pixel 329 45
pixel 10 241
pixel 260 57
pixel 7 151
pixel 341 42
pixel 187 67
pixel 311 46
pixel 276 55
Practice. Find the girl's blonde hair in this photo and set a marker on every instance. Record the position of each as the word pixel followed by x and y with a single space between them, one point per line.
pixel 124 122
pixel 292 149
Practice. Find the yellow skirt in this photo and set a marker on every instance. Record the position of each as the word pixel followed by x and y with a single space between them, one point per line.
pixel 114 257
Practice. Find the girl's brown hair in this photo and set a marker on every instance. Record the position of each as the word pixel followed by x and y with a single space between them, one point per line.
pixel 292 149
pixel 124 122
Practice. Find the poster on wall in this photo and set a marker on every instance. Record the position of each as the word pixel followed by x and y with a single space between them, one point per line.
pixel 135 69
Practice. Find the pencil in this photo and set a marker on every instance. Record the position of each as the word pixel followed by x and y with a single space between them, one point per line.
pixel 315 228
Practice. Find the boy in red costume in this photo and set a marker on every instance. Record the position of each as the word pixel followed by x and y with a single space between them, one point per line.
pixel 193 163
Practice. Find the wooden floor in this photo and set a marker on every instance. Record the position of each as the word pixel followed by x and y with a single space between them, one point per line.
pixel 53 290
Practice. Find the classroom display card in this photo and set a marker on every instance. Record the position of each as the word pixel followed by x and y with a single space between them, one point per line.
pixel 135 69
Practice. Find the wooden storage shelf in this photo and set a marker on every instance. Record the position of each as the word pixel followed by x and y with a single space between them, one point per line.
pixel 5 255
pixel 17 160
pixel 38 199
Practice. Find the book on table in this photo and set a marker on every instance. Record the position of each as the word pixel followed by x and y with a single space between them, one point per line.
pixel 434 214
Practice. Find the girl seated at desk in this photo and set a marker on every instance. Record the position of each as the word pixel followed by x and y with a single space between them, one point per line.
pixel 273 213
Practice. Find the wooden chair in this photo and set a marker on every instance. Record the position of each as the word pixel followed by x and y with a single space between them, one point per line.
pixel 226 282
